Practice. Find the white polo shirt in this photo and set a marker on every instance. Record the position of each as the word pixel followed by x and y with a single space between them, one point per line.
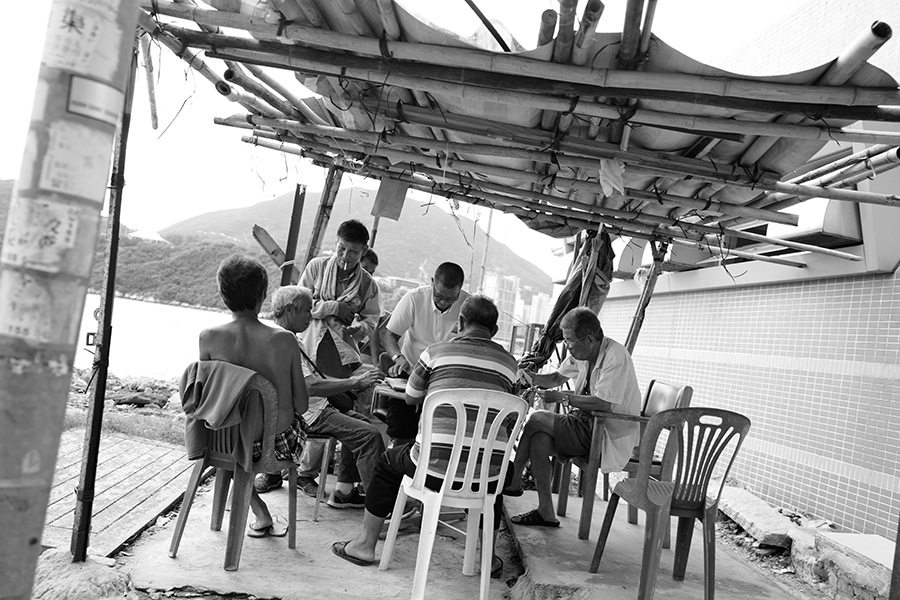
pixel 421 324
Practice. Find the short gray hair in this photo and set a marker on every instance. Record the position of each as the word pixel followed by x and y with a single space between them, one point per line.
pixel 286 296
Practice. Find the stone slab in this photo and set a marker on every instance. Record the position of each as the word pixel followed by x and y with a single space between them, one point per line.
pixel 764 523
pixel 855 565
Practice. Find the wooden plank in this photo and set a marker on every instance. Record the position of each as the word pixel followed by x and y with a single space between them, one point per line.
pixel 56 537
pixel 110 459
pixel 113 536
pixel 138 490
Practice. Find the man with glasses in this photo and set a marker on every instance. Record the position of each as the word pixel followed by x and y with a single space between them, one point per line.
pixel 424 316
pixel 604 381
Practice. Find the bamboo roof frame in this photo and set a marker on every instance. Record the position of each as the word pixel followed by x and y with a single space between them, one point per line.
pixel 364 62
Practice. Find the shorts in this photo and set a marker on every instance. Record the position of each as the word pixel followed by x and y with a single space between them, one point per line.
pixel 289 443
pixel 572 434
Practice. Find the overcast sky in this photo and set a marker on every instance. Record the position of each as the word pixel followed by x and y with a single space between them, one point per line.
pixel 209 165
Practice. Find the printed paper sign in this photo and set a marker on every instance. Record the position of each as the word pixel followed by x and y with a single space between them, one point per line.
pixel 77 161
pixel 95 100
pixel 83 36
pixel 39 233
pixel 23 303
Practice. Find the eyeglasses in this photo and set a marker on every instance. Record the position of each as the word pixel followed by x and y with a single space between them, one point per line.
pixel 570 343
pixel 442 298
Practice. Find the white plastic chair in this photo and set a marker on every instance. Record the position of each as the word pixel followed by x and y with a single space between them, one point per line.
pixel 476 484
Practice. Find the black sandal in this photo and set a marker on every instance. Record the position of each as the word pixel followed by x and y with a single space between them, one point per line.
pixel 533 519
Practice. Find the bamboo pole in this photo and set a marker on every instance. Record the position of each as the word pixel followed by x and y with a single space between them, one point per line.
pixel 547 28
pixel 562 52
pixel 195 61
pixel 354 18
pixel 730 252
pixel 326 203
pixel 389 19
pixel 84 493
pixel 290 251
pixel 584 41
pixel 312 13
pixel 807 191
pixel 296 102
pixel 659 252
pixel 151 82
pixel 376 73
pixel 608 79
pixel 839 72
pixel 45 267
pixel 235 74
pixel 488 25
pixel 631 34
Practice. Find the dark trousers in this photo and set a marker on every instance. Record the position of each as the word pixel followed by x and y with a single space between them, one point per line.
pixel 393 464
pixel 402 420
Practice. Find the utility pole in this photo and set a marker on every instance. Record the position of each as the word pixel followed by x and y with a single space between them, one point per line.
pixel 45 261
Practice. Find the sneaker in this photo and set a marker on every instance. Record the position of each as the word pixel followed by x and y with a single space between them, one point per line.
pixel 353 499
pixel 266 482
pixel 308 486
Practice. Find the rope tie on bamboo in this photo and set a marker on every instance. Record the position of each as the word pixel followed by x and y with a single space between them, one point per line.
pixel 658 195
pixel 572 106
pixel 626 113
pixel 282 24
pixel 401 116
pixel 383 46
pixel 287 264
pixel 753 173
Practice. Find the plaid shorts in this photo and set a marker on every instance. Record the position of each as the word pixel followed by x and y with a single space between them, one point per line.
pixel 288 443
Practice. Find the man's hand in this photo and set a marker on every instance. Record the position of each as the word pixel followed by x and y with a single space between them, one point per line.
pixel 367 379
pixel 551 395
pixel 400 366
pixel 344 313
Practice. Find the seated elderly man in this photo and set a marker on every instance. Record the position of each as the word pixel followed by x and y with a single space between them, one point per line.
pixel 271 352
pixel 604 381
pixel 470 359
pixel 361 442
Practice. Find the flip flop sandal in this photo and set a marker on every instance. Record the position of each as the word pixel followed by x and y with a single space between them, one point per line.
pixel 340 549
pixel 497 570
pixel 272 530
pixel 533 519
pixel 513 493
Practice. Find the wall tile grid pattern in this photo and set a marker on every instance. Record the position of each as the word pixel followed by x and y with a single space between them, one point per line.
pixel 816 367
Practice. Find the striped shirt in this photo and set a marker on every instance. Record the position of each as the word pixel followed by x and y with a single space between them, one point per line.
pixel 466 361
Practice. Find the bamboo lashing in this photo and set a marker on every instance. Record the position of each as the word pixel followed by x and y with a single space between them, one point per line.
pixel 519 66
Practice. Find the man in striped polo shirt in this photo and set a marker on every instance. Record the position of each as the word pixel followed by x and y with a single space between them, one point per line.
pixel 469 360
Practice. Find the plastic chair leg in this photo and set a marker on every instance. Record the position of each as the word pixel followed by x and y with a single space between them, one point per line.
pixel 682 546
pixel 604 532
pixel 237 522
pixel 606 487
pixel 220 499
pixel 589 476
pixel 396 516
pixel 657 518
pixel 487 548
pixel 562 501
pixel 323 477
pixel 186 502
pixel 472 522
pixel 292 507
pixel 431 511
pixel 709 553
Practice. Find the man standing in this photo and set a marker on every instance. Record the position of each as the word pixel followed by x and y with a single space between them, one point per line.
pixel 342 290
pixel 604 381
pixel 361 442
pixel 471 360
pixel 425 315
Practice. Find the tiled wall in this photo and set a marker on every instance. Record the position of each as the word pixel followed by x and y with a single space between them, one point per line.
pixel 816 367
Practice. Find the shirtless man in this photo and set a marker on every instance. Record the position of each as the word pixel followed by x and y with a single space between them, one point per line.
pixel 271 352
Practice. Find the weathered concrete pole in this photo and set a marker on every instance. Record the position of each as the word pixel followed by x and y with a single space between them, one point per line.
pixel 45 261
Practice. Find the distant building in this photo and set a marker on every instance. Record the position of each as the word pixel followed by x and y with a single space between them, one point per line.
pixel 504 289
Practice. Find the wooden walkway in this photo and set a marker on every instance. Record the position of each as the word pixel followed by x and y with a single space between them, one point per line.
pixel 137 480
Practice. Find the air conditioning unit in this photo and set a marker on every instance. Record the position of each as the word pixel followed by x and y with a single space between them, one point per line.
pixel 823 222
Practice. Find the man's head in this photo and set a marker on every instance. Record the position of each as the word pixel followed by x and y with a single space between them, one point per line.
pixel 582 333
pixel 446 285
pixel 292 308
pixel 478 312
pixel 369 261
pixel 352 243
pixel 242 283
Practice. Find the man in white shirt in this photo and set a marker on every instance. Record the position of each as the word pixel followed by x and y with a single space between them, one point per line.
pixel 604 381
pixel 423 316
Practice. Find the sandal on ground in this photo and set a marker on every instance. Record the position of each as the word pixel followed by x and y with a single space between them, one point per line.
pixel 276 529
pixel 511 493
pixel 533 519
pixel 340 549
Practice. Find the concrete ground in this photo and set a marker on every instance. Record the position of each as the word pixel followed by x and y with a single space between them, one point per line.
pixel 555 560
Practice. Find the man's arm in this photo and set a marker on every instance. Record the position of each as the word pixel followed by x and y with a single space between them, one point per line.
pixel 548 380
pixel 328 386
pixel 323 308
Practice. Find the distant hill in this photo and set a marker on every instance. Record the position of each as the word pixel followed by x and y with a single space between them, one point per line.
pixel 183 272
pixel 422 239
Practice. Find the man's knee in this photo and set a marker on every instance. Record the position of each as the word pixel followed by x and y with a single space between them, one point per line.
pixel 541 421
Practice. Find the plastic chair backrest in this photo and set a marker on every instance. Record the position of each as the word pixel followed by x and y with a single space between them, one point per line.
pixel 480 430
pixel 664 396
pixel 698 437
pixel 221 442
